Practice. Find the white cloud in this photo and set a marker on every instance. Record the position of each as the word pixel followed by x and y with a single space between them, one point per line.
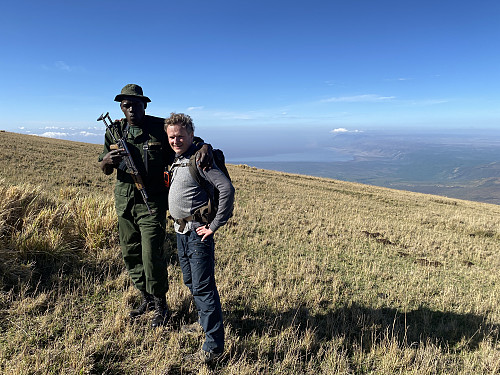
pixel 54 135
pixel 344 130
pixel 61 65
pixel 358 98
pixel 236 116
pixel 400 79
pixel 199 108
pixel 88 134
pixel 430 102
pixel 243 117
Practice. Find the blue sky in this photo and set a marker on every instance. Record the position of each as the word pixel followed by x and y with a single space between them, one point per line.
pixel 260 69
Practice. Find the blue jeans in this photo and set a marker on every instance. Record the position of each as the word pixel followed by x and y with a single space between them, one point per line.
pixel 197 263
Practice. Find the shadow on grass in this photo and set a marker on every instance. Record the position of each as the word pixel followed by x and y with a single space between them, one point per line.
pixel 364 326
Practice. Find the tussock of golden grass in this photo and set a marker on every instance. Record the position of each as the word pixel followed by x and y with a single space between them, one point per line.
pixel 316 276
pixel 97 234
pixel 43 235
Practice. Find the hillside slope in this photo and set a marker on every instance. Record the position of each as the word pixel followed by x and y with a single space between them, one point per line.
pixel 315 276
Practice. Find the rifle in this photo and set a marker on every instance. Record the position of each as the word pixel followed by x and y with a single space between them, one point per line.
pixel 129 162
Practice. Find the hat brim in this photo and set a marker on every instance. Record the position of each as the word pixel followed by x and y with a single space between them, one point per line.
pixel 121 97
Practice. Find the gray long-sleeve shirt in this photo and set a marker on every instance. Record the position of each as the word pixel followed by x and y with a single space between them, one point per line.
pixel 186 195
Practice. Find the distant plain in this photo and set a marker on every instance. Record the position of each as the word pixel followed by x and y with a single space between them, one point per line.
pixel 460 164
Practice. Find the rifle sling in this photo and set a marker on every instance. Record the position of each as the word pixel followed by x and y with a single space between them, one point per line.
pixel 145 149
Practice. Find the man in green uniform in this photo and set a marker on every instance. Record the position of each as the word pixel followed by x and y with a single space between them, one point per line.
pixel 141 232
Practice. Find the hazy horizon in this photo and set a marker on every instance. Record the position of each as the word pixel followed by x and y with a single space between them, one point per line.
pixel 319 144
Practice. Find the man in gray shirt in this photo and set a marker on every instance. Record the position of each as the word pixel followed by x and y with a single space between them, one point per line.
pixel 196 218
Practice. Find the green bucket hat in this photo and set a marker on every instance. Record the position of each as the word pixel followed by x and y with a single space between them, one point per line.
pixel 132 90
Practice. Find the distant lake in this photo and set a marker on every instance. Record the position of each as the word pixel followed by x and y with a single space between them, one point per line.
pixel 471 176
pixel 332 169
pixel 282 159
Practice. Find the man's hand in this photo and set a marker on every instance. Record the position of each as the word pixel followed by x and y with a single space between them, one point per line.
pixel 204 231
pixel 112 160
pixel 204 157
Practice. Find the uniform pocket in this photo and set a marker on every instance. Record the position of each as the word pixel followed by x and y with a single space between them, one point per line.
pixel 122 197
pixel 155 153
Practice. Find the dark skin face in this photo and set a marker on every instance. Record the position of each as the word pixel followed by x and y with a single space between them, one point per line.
pixel 134 110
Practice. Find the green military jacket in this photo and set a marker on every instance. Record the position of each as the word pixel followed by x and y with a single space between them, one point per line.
pixel 151 153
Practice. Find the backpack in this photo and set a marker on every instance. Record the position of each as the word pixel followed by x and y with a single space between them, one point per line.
pixel 212 191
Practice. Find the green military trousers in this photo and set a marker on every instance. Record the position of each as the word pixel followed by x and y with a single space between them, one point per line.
pixel 141 240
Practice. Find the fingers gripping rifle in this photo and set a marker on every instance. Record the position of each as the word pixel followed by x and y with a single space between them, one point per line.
pixel 129 161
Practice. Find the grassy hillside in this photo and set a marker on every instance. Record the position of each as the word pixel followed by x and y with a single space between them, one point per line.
pixel 315 276
pixel 51 163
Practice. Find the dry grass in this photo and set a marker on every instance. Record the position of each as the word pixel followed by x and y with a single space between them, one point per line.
pixel 315 276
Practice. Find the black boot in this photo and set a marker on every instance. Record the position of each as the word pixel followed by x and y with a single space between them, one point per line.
pixel 161 312
pixel 147 304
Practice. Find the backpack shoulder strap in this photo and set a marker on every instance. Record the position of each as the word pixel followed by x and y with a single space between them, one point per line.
pixel 193 169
